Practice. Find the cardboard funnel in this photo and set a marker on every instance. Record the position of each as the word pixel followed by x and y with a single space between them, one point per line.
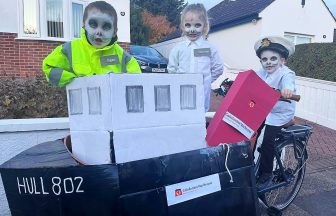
pixel 242 111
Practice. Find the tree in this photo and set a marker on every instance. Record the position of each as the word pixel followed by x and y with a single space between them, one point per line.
pixel 139 31
pixel 142 33
pixel 159 26
pixel 170 8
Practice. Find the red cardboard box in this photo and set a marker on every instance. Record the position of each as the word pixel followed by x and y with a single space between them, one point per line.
pixel 242 111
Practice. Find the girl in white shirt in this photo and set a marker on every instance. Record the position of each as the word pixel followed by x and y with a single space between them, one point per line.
pixel 195 54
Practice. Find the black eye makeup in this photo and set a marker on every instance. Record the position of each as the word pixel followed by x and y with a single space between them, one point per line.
pixel 273 58
pixel 187 25
pixel 197 25
pixel 93 23
pixel 107 26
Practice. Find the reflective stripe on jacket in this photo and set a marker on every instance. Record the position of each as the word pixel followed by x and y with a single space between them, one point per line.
pixel 79 58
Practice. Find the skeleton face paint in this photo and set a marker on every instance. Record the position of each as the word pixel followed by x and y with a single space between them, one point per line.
pixel 193 26
pixel 99 28
pixel 270 61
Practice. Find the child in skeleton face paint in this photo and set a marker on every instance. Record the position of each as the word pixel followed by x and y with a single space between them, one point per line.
pixel 96 52
pixel 272 52
pixel 195 54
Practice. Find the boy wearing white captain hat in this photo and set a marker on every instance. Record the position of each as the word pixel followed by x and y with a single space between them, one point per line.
pixel 273 51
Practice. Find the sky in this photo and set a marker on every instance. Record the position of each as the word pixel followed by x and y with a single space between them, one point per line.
pixel 210 3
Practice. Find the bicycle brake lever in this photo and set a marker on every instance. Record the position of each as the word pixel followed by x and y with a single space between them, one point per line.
pixel 219 91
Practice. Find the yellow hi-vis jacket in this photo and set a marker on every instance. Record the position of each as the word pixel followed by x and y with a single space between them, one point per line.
pixel 79 58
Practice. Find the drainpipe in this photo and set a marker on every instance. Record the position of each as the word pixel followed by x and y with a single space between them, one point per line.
pixel 303 2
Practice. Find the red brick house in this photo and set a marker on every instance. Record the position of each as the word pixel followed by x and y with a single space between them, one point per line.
pixel 31 29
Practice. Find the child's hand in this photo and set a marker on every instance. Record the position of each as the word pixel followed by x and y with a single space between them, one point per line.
pixel 286 93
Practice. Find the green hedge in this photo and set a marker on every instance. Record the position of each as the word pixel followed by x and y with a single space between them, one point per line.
pixel 31 98
pixel 315 60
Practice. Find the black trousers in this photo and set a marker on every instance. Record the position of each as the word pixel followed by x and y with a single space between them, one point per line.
pixel 268 147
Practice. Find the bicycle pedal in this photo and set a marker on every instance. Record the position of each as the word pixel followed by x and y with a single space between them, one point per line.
pixel 273 211
pixel 290 178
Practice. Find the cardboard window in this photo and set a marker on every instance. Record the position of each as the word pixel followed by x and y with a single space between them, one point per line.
pixel 95 102
pixel 162 98
pixel 188 97
pixel 75 100
pixel 134 99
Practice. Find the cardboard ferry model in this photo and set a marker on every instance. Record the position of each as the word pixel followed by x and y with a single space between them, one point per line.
pixel 122 118
pixel 142 138
pixel 127 117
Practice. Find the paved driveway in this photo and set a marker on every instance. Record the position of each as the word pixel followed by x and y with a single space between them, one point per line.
pixel 317 196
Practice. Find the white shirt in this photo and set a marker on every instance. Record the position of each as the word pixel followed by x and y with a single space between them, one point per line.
pixel 198 56
pixel 283 111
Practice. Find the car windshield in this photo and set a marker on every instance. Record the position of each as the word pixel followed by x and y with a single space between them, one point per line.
pixel 146 51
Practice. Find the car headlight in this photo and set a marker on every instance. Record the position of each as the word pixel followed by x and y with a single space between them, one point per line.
pixel 142 63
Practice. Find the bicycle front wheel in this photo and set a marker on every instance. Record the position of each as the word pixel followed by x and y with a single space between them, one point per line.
pixel 293 158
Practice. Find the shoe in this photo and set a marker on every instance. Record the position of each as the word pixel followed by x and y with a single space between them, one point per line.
pixel 264 180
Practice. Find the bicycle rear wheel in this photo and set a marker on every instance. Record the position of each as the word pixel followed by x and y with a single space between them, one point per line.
pixel 294 168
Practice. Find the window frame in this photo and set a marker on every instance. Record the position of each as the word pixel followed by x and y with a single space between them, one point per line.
pixel 21 20
pixel 296 35
pixel 41 18
pixel 44 24
pixel 84 4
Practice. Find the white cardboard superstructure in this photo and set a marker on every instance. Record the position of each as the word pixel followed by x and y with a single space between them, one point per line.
pixel 135 116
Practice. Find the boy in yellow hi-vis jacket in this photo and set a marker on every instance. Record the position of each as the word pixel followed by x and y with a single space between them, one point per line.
pixel 96 52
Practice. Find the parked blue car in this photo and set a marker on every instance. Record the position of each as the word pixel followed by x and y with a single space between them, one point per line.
pixel 149 59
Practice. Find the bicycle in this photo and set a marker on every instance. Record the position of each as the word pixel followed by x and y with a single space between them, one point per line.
pixel 288 167
pixel 289 163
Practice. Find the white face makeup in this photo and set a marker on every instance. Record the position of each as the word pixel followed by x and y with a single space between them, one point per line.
pixel 99 28
pixel 270 61
pixel 193 26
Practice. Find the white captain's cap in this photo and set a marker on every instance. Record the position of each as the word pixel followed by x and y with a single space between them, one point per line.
pixel 276 43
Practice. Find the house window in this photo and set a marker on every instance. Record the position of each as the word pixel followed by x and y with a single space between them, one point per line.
pixel 134 99
pixel 59 20
pixel 30 17
pixel 298 38
pixel 162 98
pixel 188 97
pixel 75 100
pixel 95 102
pixel 55 21
pixel 77 18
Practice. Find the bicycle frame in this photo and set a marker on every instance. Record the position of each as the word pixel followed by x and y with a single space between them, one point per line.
pixel 283 174
pixel 287 137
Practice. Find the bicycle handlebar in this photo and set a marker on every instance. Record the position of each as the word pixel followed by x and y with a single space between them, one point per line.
pixel 226 84
pixel 294 97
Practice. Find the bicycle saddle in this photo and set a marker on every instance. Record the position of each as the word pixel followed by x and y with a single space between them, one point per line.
pixel 288 124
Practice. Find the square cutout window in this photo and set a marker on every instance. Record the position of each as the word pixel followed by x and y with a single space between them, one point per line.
pixel 75 100
pixel 134 99
pixel 162 98
pixel 95 103
pixel 188 97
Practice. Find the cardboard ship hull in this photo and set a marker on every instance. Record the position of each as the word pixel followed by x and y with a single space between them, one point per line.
pixel 46 180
